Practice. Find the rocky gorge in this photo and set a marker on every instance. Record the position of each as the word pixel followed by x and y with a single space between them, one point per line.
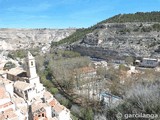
pixel 108 40
pixel 13 39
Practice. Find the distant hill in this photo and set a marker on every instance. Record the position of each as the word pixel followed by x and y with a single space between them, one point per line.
pixel 121 18
pixel 13 39
pixel 136 35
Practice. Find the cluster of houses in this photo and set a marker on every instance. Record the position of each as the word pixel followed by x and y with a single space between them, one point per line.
pixel 23 97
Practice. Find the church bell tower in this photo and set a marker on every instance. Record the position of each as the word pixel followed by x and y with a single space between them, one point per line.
pixel 31 66
pixel 33 78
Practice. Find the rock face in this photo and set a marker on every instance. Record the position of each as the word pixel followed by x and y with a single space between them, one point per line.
pixel 121 39
pixel 12 39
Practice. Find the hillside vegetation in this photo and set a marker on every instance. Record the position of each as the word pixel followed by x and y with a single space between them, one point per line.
pixel 137 17
pixel 121 18
pixel 79 34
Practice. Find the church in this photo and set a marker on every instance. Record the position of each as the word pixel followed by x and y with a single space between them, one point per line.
pixel 26 82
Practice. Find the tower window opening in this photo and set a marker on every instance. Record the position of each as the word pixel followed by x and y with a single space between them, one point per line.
pixel 31 63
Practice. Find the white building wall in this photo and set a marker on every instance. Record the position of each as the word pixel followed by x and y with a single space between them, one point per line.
pixel 32 72
pixel 21 116
pixel 22 104
pixel 48 111
pixel 40 88
pixel 31 95
pixel 64 115
pixel 5 100
pixel 9 88
pixel 34 81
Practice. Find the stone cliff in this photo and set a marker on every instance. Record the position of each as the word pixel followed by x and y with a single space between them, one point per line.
pixel 138 39
pixel 12 39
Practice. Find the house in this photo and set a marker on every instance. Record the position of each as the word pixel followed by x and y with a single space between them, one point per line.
pixel 24 90
pixel 17 74
pixel 108 99
pixel 149 62
pixel 59 111
pixel 41 111
pixel 48 97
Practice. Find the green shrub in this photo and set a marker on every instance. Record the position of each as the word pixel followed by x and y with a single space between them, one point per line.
pixel 88 113
pixel 9 65
pixel 124 31
pixel 156 27
pixel 54 90
pixel 73 117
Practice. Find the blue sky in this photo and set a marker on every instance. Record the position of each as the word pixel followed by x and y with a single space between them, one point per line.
pixel 67 13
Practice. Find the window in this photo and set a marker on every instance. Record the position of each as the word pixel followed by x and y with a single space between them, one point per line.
pixel 31 63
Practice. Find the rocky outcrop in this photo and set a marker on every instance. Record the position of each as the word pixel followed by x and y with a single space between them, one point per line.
pixel 12 39
pixel 121 39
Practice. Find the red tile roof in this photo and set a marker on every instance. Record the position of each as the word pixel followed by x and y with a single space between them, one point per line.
pixel 56 106
pixel 10 114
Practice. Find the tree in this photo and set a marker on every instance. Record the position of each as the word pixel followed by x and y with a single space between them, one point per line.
pixel 88 113
pixel 54 90
pixel 9 65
